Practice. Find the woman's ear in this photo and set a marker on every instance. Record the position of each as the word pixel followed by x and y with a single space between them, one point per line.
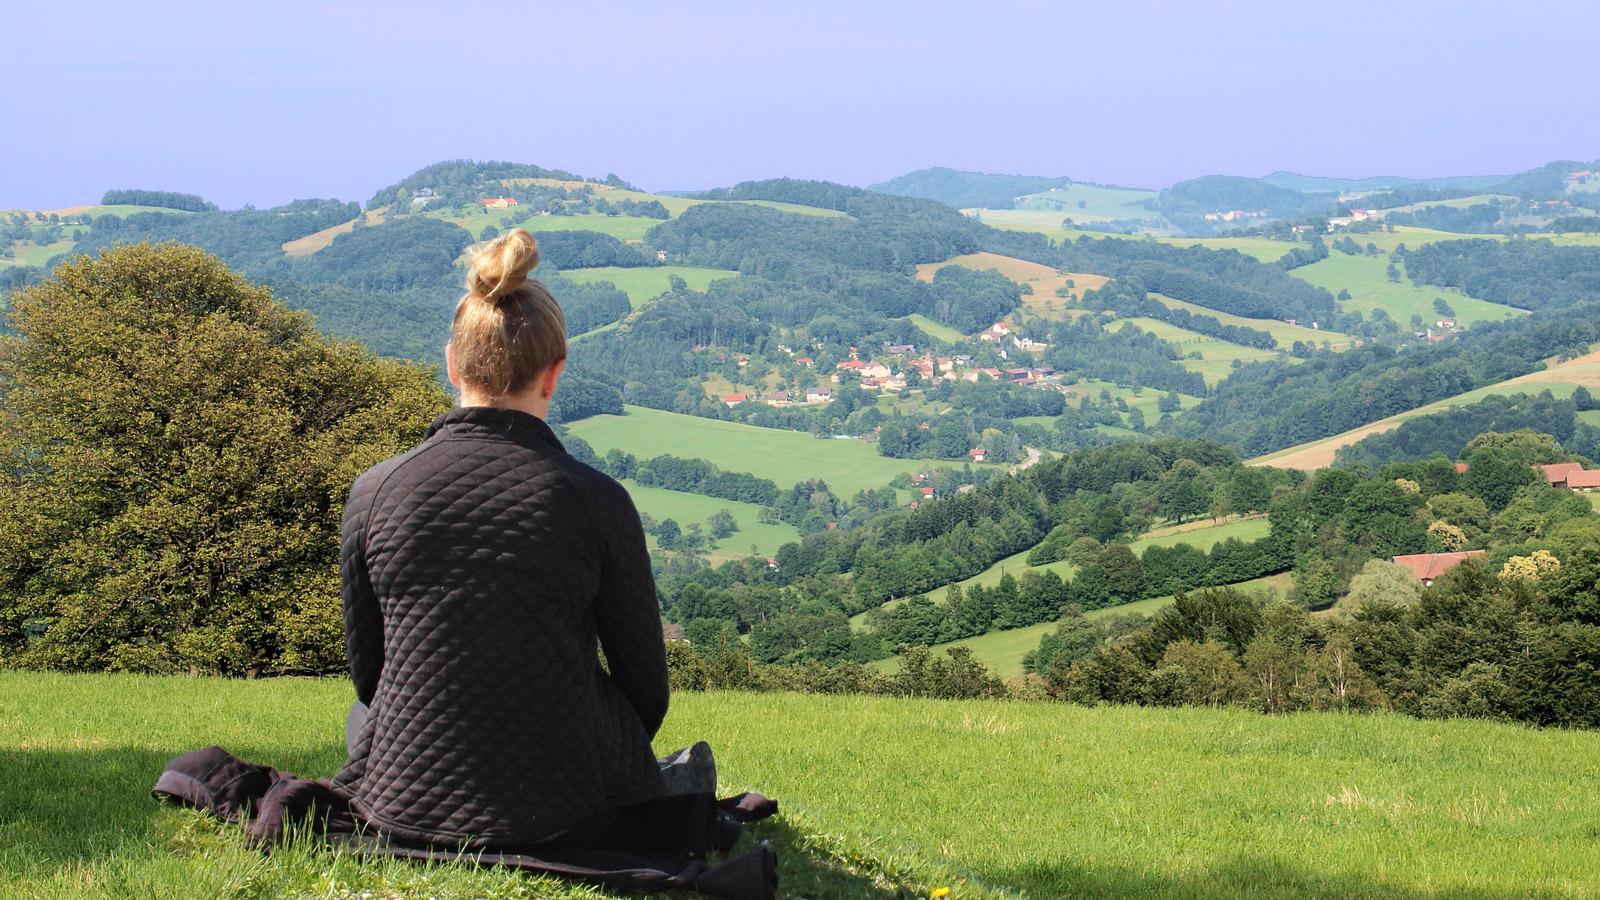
pixel 552 375
pixel 450 366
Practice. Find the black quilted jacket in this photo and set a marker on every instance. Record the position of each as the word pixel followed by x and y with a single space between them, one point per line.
pixel 478 571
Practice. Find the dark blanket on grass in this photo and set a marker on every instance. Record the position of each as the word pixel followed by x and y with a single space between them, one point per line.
pixel 655 846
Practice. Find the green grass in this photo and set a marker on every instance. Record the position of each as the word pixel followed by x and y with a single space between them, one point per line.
pixel 1002 651
pixel 879 796
pixel 785 457
pixel 623 228
pixel 1370 288
pixel 1265 249
pixel 1216 355
pixel 936 330
pixel 1100 204
pixel 1282 333
pixel 643 284
pixel 1147 400
pixel 27 253
pixel 684 508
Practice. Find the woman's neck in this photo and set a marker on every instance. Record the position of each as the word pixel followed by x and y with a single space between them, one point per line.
pixel 531 402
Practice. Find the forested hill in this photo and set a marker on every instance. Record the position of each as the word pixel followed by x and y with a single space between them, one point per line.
pixel 967 189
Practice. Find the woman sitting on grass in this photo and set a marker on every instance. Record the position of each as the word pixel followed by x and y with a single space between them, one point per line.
pixel 478 571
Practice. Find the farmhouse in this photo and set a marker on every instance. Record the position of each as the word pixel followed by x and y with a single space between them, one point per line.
pixel 1572 476
pixel 497 202
pixel 733 400
pixel 1427 567
pixel 978 454
pixel 819 394
pixel 899 349
pixel 806 361
pixel 778 398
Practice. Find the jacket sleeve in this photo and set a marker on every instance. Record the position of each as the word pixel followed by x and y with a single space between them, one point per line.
pixel 628 616
pixel 363 621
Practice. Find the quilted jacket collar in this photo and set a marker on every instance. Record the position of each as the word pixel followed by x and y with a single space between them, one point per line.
pixel 512 424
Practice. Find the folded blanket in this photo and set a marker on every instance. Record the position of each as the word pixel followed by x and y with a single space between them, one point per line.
pixel 661 845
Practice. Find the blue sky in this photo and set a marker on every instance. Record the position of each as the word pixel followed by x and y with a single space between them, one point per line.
pixel 266 102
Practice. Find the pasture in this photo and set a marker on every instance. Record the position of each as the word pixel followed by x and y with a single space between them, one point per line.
pixel 881 797
pixel 1370 288
pixel 754 537
pixel 645 283
pixel 786 457
pixel 315 241
pixel 1282 332
pixel 28 253
pixel 1002 651
pixel 1041 279
pixel 938 331
pixel 1091 203
pixel 1217 357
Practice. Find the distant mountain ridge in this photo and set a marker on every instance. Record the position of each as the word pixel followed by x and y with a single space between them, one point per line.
pixel 1325 184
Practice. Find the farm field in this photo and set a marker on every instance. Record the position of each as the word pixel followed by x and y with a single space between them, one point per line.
pixel 904 797
pixel 1217 357
pixel 1265 249
pixel 1561 380
pixel 27 253
pixel 96 210
pixel 623 228
pixel 311 243
pixel 1370 288
pixel 1090 203
pixel 936 330
pixel 645 283
pixel 1455 202
pixel 684 508
pixel 1147 400
pixel 785 457
pixel 1002 651
pixel 1043 280
pixel 1282 332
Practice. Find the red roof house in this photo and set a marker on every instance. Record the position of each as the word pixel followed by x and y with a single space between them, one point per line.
pixel 1556 474
pixel 1429 566
pixel 1583 480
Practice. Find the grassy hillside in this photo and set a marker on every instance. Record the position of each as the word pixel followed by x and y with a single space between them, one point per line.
pixel 783 456
pixel 1002 651
pixel 27 253
pixel 645 284
pixel 880 797
pixel 936 330
pixel 1282 332
pixel 1560 380
pixel 1370 288
pixel 1216 356
pixel 754 538
pixel 1092 203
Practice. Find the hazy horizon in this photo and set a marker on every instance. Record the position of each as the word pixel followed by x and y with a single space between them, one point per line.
pixel 262 107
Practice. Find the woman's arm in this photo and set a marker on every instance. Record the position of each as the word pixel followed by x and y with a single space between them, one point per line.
pixel 363 621
pixel 629 616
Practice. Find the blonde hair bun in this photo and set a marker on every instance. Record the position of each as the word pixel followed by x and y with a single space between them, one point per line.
pixel 500 267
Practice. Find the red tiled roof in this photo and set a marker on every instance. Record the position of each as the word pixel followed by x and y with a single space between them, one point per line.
pixel 735 398
pixel 1428 566
pixel 1559 472
pixel 1584 478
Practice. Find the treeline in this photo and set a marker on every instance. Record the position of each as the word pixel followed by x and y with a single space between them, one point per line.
pixel 1128 355
pixel 163 199
pixel 1128 296
pixel 1225 280
pixel 463 181
pixel 1475 219
pixel 1531 274
pixel 1271 405
pixel 696 476
pixel 588 249
pixel 1314 251
pixel 1448 433
pixel 1106 576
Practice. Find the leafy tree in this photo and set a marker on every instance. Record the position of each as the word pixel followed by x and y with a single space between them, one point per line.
pixel 178 447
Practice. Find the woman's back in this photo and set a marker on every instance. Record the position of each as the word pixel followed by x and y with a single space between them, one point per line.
pixel 478 571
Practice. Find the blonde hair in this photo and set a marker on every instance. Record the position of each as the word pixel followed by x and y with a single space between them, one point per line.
pixel 507 329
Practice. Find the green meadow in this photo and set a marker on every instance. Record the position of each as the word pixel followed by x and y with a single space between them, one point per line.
pixel 645 283
pixel 1216 356
pixel 1370 288
pixel 1002 651
pixel 1264 249
pixel 27 253
pixel 786 457
pixel 1089 203
pixel 936 330
pixel 623 228
pixel 754 537
pixel 1282 332
pixel 880 798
